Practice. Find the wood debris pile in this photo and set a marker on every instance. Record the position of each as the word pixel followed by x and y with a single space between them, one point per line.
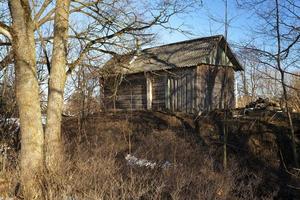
pixel 263 104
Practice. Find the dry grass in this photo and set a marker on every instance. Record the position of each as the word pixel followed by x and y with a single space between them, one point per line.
pixel 103 176
pixel 95 165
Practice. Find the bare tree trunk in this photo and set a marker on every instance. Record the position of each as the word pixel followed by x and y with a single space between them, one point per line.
pixel 4 82
pixel 245 86
pixel 53 140
pixel 278 60
pixel 82 99
pixel 27 94
pixel 285 96
pixel 225 106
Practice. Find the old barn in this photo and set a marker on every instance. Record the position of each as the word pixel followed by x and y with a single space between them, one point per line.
pixel 188 76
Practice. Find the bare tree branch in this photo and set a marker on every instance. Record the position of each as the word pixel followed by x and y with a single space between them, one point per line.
pixel 5 30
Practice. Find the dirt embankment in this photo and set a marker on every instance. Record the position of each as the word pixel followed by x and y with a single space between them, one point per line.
pixel 259 152
pixel 260 143
pixel 156 155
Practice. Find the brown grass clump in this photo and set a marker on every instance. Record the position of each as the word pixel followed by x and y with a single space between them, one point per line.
pixel 187 165
pixel 101 175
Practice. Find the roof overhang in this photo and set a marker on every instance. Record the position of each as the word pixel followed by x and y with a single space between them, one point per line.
pixel 236 64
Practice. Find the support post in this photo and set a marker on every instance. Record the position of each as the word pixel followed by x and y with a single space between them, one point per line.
pixel 149 92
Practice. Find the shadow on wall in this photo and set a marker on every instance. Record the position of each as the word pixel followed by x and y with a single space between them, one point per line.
pixel 210 80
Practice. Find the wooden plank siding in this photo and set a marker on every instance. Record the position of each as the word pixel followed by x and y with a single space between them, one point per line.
pixel 130 94
pixel 189 89
pixel 158 91
pixel 215 87
pixel 176 89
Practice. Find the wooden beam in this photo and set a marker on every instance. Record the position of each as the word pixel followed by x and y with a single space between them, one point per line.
pixel 149 92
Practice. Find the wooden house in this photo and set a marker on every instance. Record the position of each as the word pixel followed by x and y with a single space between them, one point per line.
pixel 188 76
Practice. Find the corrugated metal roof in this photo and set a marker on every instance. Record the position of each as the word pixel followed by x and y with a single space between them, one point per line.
pixel 181 54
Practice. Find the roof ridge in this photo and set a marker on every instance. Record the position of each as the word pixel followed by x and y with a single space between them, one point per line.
pixel 185 41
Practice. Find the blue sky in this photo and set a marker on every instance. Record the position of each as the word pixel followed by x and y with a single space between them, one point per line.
pixel 199 22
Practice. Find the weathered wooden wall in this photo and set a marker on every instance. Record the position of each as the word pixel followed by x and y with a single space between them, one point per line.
pixel 180 92
pixel 158 90
pixel 215 87
pixel 128 93
pixel 189 90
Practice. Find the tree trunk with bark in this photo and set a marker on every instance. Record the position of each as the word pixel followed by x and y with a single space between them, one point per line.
pixel 53 139
pixel 27 94
pixel 282 77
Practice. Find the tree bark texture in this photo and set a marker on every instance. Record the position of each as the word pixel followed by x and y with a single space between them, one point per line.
pixel 282 75
pixel 53 139
pixel 27 94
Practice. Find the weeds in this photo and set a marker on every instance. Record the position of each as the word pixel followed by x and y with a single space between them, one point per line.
pixel 96 168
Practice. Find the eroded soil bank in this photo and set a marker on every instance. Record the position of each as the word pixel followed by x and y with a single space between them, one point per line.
pixel 158 155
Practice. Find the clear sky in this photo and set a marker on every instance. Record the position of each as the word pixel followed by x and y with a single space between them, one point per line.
pixel 207 21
